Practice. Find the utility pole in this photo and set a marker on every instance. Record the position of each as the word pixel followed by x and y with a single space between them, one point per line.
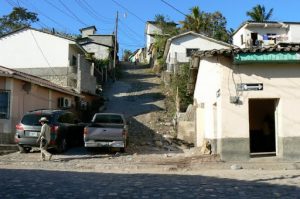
pixel 115 47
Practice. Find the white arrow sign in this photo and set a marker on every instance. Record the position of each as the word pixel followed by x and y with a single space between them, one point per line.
pixel 250 87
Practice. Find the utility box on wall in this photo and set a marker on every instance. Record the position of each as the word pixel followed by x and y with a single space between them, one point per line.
pixel 64 102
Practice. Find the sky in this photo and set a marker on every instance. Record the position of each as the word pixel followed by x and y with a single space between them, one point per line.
pixel 71 15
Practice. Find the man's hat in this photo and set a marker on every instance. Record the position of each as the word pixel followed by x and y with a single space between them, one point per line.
pixel 43 119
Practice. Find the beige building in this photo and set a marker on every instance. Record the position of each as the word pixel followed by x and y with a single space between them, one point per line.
pixel 21 92
pixel 247 102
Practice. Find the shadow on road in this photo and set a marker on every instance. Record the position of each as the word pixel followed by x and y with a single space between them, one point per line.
pixel 23 184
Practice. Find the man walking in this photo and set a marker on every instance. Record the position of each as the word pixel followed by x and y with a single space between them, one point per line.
pixel 44 138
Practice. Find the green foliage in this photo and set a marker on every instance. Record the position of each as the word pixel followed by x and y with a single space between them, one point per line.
pixel 211 24
pixel 168 29
pixel 101 63
pixel 180 81
pixel 18 18
pixel 258 13
pixel 126 54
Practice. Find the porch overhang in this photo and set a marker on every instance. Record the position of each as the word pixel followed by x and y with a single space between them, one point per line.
pixel 267 57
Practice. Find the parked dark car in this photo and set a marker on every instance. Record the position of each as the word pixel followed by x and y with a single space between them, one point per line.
pixel 66 131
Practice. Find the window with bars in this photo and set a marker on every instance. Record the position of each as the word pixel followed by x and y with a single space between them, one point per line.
pixel 190 51
pixel 4 104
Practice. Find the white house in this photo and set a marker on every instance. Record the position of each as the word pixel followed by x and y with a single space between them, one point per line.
pixel 152 29
pixel 266 33
pixel 100 46
pixel 179 48
pixel 247 102
pixel 50 56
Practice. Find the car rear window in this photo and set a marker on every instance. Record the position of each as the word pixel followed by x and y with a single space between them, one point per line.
pixel 115 119
pixel 33 119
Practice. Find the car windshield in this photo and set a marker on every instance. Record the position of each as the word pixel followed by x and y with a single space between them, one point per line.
pixel 33 119
pixel 114 119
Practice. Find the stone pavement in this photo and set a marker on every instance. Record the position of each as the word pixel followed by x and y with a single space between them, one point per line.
pixel 28 183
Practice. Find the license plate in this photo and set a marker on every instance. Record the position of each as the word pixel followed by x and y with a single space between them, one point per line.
pixel 33 134
pixel 102 144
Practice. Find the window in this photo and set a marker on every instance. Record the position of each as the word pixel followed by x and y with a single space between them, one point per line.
pixel 4 104
pixel 67 118
pixel 33 119
pixel 190 51
pixel 74 61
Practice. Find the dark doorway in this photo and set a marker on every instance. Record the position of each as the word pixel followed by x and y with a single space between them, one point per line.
pixel 254 39
pixel 262 125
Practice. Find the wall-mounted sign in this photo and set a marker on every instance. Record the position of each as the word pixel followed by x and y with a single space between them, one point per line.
pixel 250 87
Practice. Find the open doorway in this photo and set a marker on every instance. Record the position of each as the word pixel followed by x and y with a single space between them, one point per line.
pixel 262 126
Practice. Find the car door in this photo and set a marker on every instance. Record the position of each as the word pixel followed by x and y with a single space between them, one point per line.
pixel 74 132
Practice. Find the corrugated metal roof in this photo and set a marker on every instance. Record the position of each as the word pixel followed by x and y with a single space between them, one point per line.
pixel 7 72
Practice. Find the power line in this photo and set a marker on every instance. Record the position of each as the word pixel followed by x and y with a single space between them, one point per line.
pixel 129 36
pixel 89 12
pixel 143 21
pixel 43 14
pixel 59 9
pixel 96 13
pixel 43 54
pixel 13 4
pixel 173 7
pixel 130 28
pixel 66 7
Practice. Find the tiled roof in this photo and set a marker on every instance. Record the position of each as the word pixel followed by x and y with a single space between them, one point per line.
pixel 229 52
pixel 7 72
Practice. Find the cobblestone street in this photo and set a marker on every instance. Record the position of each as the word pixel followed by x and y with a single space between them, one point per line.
pixel 57 184
pixel 155 165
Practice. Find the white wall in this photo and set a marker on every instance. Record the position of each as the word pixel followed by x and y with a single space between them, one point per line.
pixel 280 81
pixel 28 49
pixel 100 52
pixel 261 31
pixel 294 33
pixel 205 94
pixel 179 45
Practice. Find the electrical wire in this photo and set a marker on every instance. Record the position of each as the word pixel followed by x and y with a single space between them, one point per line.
pixel 173 7
pixel 13 4
pixel 91 14
pixel 43 14
pixel 95 12
pixel 130 28
pixel 43 54
pixel 66 7
pixel 143 21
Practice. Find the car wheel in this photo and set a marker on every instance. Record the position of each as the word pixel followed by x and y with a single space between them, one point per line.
pixel 123 149
pixel 62 146
pixel 24 149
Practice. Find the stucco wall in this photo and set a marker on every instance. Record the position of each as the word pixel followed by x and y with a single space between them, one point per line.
pixel 205 95
pixel 33 49
pixel 179 45
pixel 294 32
pixel 21 102
pixel 246 32
pixel 100 52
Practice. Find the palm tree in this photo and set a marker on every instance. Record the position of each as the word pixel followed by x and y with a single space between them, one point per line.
pixel 259 14
pixel 194 21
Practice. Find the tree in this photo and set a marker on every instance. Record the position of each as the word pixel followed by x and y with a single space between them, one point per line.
pixel 210 24
pixel 258 13
pixel 168 29
pixel 18 18
pixel 126 54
